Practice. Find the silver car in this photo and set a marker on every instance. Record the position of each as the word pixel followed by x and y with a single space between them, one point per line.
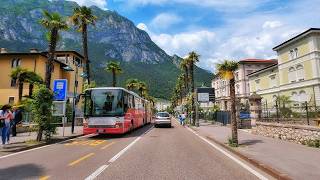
pixel 162 118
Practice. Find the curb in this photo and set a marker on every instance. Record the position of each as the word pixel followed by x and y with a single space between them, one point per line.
pixel 274 173
pixel 45 143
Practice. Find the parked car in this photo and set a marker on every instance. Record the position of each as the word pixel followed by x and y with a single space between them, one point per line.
pixel 162 118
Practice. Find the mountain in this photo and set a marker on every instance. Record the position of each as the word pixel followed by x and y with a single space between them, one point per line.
pixel 113 38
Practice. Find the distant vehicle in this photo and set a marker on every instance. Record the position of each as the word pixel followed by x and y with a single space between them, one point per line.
pixel 113 110
pixel 162 118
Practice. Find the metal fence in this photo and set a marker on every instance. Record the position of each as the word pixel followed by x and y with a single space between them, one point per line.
pixel 291 113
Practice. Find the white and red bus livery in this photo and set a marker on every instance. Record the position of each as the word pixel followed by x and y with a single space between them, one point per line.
pixel 114 110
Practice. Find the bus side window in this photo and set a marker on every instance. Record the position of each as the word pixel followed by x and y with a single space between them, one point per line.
pixel 126 101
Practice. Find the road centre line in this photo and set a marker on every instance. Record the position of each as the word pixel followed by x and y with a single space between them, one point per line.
pixel 44 177
pixel 104 147
pixel 256 173
pixel 115 157
pixel 80 159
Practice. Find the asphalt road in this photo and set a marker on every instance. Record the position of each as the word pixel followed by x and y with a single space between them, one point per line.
pixel 147 153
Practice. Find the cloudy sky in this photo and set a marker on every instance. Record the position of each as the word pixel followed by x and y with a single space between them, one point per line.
pixel 218 29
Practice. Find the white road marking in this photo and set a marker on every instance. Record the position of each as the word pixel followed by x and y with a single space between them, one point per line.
pixel 256 173
pixel 97 172
pixel 115 157
pixel 41 147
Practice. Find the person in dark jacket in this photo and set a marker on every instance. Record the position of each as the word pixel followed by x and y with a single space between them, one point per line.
pixel 17 113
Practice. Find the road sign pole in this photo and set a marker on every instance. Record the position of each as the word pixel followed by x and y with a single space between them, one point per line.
pixel 197 109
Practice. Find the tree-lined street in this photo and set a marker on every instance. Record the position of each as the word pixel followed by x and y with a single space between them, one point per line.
pixel 157 153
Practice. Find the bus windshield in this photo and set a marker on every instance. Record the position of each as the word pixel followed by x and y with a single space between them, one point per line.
pixel 104 102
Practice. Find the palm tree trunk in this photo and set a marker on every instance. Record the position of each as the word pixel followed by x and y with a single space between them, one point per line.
pixel 234 127
pixel 114 81
pixel 191 67
pixel 52 48
pixel 39 135
pixel 20 87
pixel 186 79
pixel 85 49
pixel 30 89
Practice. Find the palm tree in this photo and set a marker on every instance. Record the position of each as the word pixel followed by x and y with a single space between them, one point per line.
pixel 226 71
pixel 81 18
pixel 142 88
pixel 131 84
pixel 33 78
pixel 191 60
pixel 25 76
pixel 54 23
pixel 18 74
pixel 114 68
pixel 184 68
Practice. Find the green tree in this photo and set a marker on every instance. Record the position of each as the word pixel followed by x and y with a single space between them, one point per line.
pixel 53 22
pixel 25 76
pixel 41 110
pixel 142 88
pixel 131 84
pixel 226 71
pixel 115 69
pixel 192 59
pixel 184 68
pixel 81 18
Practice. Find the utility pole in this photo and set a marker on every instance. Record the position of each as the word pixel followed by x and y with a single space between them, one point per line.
pixel 74 98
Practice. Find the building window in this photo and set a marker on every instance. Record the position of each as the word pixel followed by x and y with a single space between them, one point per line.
pixel 273 81
pixel 11 100
pixel 237 76
pixel 257 84
pixel 15 62
pixel 237 89
pixel 303 96
pixel 300 72
pixel 293 53
pixel 13 82
pixel 292 74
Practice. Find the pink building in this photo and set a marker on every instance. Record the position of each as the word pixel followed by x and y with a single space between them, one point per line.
pixel 246 66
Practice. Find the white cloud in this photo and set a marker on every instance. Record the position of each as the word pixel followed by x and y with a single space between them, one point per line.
pixel 165 20
pixel 99 3
pixel 271 24
pixel 251 36
pixel 143 27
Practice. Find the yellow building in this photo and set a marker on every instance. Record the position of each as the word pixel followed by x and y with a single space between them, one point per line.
pixel 67 65
pixel 297 74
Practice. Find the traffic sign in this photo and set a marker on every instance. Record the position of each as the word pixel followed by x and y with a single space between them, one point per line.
pixel 60 87
pixel 205 94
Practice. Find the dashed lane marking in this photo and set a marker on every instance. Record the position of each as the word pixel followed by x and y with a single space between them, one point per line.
pixel 114 158
pixel 85 143
pixel 104 147
pixel 80 159
pixel 44 177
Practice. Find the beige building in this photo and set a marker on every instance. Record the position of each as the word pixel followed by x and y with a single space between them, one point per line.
pixel 36 61
pixel 297 74
pixel 242 88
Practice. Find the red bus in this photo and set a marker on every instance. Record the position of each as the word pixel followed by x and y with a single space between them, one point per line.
pixel 114 110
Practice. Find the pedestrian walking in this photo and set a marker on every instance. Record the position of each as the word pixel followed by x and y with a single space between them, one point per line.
pixel 182 118
pixel 17 118
pixel 6 116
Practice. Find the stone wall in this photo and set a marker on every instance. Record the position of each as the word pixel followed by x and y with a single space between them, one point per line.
pixel 294 133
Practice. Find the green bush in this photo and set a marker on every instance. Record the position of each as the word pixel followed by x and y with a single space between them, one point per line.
pixel 313 143
pixel 231 143
pixel 41 110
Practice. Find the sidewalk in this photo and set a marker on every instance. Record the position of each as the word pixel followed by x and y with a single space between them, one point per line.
pixel 296 161
pixel 25 141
